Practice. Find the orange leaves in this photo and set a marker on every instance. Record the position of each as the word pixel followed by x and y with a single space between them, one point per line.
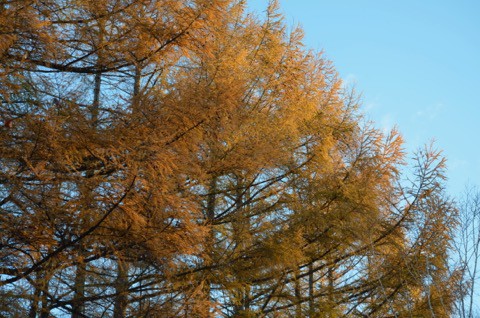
pixel 203 162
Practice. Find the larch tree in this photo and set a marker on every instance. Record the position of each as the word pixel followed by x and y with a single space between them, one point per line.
pixel 78 163
pixel 165 158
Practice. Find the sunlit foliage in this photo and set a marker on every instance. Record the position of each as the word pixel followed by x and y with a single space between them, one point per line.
pixel 187 159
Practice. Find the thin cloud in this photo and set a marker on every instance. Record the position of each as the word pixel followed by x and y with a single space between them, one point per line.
pixel 431 112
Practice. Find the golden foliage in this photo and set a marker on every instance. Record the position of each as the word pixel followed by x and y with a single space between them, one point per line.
pixel 185 158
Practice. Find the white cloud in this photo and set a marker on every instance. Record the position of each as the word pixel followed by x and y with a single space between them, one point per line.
pixel 387 123
pixel 431 112
pixel 350 80
pixel 369 106
pixel 457 163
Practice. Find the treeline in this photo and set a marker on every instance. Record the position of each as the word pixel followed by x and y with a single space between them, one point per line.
pixel 164 158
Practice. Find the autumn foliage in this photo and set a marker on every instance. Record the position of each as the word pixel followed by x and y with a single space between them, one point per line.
pixel 163 158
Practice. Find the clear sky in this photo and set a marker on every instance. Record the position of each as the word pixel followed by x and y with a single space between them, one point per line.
pixel 416 63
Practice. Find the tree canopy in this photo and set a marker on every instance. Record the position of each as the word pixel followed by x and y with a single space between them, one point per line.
pixel 163 158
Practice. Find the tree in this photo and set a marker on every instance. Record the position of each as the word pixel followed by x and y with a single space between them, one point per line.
pixel 185 158
pixel 467 252
pixel 72 186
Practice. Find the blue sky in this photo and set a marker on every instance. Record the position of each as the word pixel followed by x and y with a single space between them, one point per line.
pixel 416 63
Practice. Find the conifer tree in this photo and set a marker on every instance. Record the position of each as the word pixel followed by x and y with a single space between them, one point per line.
pixel 189 159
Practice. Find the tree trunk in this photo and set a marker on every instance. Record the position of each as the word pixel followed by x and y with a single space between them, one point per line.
pixel 78 306
pixel 35 302
pixel 121 288
pixel 311 305
pixel 298 296
pixel 210 215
